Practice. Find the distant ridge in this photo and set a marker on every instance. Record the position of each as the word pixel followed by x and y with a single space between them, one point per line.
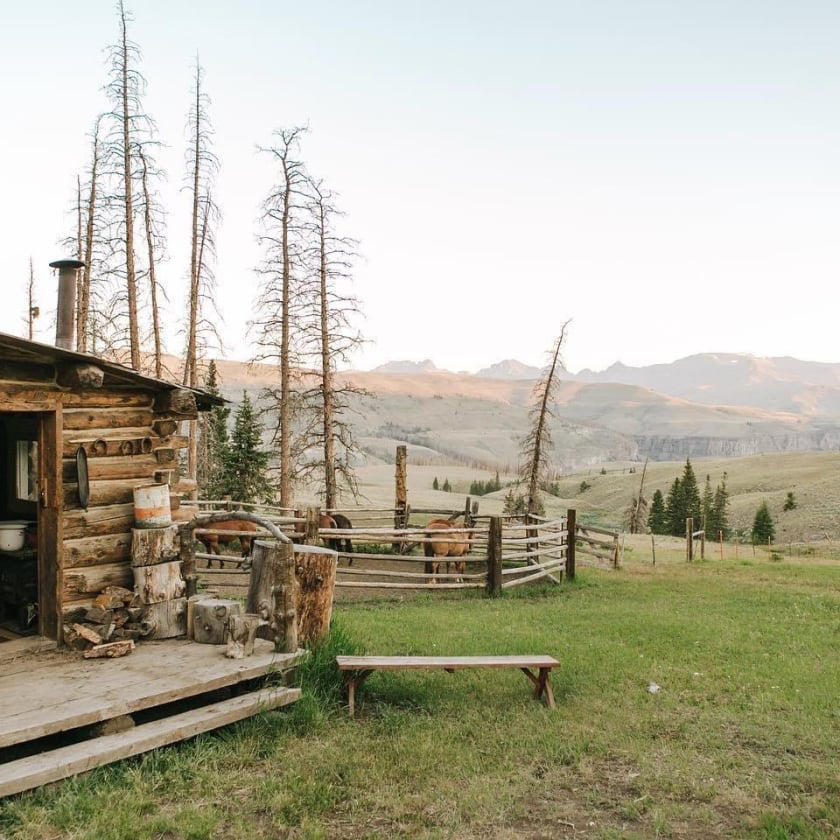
pixel 779 383
pixel 406 366
pixel 509 369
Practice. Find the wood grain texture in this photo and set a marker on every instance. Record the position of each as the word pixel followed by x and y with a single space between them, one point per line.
pixel 61 763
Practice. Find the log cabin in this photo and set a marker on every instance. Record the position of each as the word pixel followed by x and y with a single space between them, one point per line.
pixel 64 414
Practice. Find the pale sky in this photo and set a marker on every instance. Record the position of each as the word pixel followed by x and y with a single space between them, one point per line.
pixel 666 174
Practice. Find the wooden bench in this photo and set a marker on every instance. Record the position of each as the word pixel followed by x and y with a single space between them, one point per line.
pixel 358 668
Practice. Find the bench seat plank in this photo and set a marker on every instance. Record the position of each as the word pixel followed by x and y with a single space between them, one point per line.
pixel 396 663
pixel 358 668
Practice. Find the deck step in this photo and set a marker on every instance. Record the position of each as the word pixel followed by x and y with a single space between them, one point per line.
pixel 27 773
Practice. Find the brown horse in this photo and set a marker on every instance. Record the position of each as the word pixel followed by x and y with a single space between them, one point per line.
pixel 441 546
pixel 342 544
pixel 337 520
pixel 212 541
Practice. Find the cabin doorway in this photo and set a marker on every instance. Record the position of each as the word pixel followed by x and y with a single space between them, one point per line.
pixel 28 567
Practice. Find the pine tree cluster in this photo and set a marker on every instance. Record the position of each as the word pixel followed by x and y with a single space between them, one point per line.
pixel 482 488
pixel 669 515
pixel 233 464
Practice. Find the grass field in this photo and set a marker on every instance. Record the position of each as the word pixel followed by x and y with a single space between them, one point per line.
pixel 814 478
pixel 742 739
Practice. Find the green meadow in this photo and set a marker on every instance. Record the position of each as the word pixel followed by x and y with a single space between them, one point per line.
pixel 740 740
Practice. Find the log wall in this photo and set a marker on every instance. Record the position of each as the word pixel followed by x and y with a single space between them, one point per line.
pixel 127 439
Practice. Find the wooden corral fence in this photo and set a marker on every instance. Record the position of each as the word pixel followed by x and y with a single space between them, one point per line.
pixel 597 546
pixel 501 555
pixel 503 551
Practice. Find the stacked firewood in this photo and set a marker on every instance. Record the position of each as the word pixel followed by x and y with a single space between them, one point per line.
pixel 158 582
pixel 116 616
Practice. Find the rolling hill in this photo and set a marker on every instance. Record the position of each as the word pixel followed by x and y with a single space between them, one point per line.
pixel 465 418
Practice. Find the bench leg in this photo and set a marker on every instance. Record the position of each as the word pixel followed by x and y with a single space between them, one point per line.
pixel 545 687
pixel 353 679
pixel 542 685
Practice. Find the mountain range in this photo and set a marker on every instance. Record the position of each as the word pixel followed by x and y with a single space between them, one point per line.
pixel 710 404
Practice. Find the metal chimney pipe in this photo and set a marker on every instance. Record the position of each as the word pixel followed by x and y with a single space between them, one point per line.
pixel 65 319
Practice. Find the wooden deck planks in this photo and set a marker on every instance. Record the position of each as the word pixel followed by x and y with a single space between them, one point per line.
pixel 65 692
pixel 27 773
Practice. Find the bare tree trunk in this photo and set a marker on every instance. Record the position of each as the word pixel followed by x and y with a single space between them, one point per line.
pixel 190 360
pixel 285 367
pixel 83 311
pixel 638 528
pixel 147 219
pixel 32 312
pixel 330 487
pixel 130 275
pixel 539 439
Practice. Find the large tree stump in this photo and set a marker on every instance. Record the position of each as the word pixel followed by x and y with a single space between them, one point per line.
pixel 162 582
pixel 211 617
pixel 315 570
pixel 241 633
pixel 164 620
pixel 154 545
pixel 272 594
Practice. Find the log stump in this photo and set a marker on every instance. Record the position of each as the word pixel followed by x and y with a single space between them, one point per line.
pixel 164 620
pixel 272 595
pixel 241 633
pixel 211 617
pixel 154 545
pixel 162 582
pixel 315 570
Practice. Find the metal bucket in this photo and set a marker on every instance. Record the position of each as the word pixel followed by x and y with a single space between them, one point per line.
pixel 151 506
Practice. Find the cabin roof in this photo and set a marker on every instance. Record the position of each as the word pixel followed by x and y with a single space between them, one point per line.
pixel 46 356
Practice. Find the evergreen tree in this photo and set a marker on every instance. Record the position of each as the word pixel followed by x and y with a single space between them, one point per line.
pixel 690 495
pixel 213 443
pixel 447 487
pixel 762 529
pixel 790 501
pixel 720 511
pixel 674 509
pixel 657 519
pixel 707 506
pixel 435 485
pixel 514 504
pixel 246 465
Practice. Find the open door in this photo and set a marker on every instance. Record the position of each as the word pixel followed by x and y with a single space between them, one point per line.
pixel 29 522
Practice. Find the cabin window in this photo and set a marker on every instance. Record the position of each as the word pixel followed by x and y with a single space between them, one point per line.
pixel 27 470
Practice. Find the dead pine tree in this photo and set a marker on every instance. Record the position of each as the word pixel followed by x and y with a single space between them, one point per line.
pixel 153 230
pixel 83 307
pixel 537 443
pixel 202 167
pixel 32 311
pixel 128 128
pixel 282 237
pixel 329 338
pixel 635 517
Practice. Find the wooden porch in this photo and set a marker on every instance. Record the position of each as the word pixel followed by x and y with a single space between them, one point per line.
pixel 61 715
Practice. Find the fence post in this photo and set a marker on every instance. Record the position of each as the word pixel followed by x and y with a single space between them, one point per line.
pixel 494 557
pixel 703 541
pixel 571 532
pixel 400 495
pixel 467 513
pixel 313 521
pixel 689 539
pixel 228 502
